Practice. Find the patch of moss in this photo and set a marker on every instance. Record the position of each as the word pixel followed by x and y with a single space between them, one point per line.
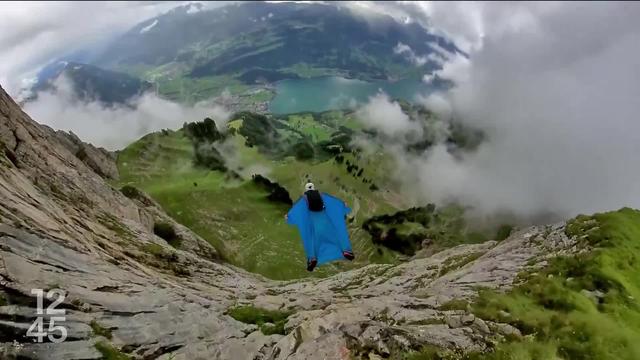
pixel 99 330
pixel 130 191
pixel 430 321
pixel 154 249
pixel 454 304
pixel 431 352
pixel 269 321
pixel 3 299
pixel 456 262
pixel 112 223
pixel 109 352
pixel 179 270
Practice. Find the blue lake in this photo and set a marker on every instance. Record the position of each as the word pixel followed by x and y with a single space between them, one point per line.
pixel 327 93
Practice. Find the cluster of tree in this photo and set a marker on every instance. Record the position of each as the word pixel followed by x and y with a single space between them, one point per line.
pixel 204 134
pixel 259 131
pixel 277 193
pixel 386 230
pixel 421 215
pixel 355 171
pixel 303 151
pixel 201 131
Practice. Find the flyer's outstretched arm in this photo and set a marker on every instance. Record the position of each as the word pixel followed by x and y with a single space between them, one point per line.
pixel 299 216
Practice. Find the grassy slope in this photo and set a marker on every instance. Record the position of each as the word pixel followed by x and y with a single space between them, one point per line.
pixel 250 231
pixel 234 216
pixel 579 307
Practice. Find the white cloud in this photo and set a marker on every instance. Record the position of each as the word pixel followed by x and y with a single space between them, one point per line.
pixel 401 48
pixel 555 88
pixel 35 33
pixel 149 27
pixel 194 8
pixel 437 103
pixel 455 68
pixel 385 115
pixel 114 127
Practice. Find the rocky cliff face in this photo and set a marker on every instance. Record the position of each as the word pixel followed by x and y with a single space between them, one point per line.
pixel 101 161
pixel 62 226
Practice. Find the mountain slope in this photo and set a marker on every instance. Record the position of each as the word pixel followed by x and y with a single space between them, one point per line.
pixel 245 37
pixel 91 83
pixel 130 294
pixel 232 212
pixel 190 52
pixel 207 185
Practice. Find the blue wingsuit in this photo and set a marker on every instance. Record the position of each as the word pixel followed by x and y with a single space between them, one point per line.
pixel 324 234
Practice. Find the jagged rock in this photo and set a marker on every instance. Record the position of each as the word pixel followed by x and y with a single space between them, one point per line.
pixel 101 161
pixel 504 329
pixel 454 321
pixel 595 296
pixel 467 319
pixel 481 326
pixel 63 226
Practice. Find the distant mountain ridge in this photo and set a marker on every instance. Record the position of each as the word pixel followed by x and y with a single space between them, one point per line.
pixel 192 53
pixel 91 83
pixel 244 37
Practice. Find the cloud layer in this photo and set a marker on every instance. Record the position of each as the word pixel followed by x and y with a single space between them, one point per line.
pixel 555 88
pixel 114 127
pixel 35 33
pixel 385 115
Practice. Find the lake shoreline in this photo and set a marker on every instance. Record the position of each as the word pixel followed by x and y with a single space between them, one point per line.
pixel 326 93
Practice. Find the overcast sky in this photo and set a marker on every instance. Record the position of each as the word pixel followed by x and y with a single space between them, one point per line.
pixel 33 33
pixel 555 87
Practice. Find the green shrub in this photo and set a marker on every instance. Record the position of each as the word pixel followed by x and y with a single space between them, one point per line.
pixel 303 151
pixel 503 232
pixel 168 233
pixel 261 317
pixel 454 304
pixel 277 193
pixel 154 249
pixel 430 352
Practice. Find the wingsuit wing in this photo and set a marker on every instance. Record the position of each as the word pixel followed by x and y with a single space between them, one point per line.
pixel 299 217
pixel 337 210
pixel 324 234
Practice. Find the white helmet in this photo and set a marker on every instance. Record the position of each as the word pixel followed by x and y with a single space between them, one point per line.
pixel 309 186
